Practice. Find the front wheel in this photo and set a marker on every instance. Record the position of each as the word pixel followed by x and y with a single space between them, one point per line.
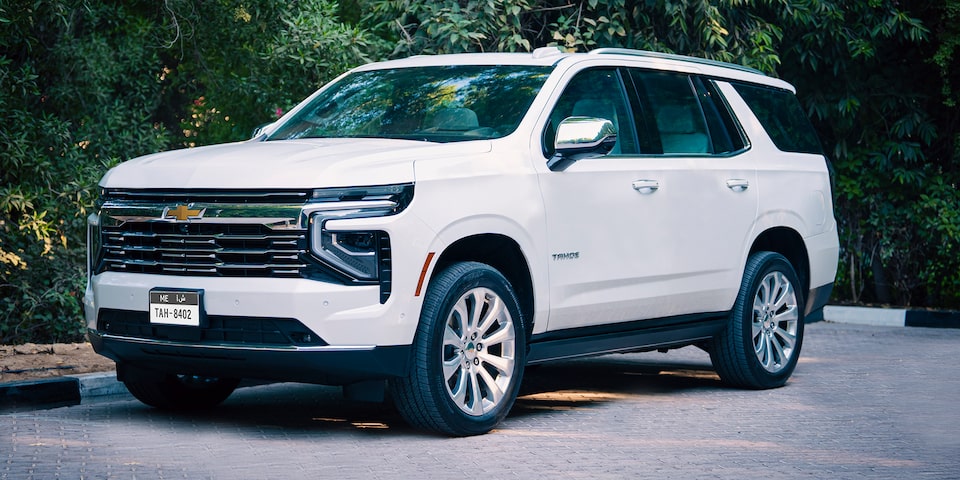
pixel 761 343
pixel 469 353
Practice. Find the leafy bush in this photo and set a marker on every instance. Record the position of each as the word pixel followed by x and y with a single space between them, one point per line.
pixel 245 63
pixel 76 101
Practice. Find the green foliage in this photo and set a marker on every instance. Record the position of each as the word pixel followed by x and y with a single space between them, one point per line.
pixel 85 85
pixel 242 64
pixel 452 26
pixel 862 70
pixel 65 118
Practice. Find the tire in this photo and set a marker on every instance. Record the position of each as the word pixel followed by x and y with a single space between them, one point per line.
pixel 179 392
pixel 469 354
pixel 761 343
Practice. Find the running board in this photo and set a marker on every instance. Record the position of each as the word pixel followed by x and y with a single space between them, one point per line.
pixel 587 342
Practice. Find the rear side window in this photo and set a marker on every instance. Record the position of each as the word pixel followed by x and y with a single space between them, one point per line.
pixel 725 132
pixel 782 117
pixel 671 114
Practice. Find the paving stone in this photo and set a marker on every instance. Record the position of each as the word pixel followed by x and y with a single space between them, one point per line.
pixel 865 402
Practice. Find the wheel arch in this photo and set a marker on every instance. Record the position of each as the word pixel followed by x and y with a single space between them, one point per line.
pixel 787 242
pixel 502 253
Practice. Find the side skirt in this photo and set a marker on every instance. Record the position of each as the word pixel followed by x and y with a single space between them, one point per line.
pixel 638 336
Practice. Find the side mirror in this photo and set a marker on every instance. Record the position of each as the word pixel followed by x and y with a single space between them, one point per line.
pixel 581 137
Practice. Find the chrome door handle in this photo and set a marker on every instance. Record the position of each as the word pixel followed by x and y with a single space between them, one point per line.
pixel 646 186
pixel 738 184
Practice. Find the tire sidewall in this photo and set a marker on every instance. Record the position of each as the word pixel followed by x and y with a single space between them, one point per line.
pixel 768 262
pixel 438 305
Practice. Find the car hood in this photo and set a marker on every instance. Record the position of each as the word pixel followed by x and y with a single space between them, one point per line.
pixel 307 163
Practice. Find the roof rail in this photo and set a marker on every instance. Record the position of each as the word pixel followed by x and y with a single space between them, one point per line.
pixel 673 56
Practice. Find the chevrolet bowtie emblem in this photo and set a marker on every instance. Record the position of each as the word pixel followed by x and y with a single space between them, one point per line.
pixel 182 213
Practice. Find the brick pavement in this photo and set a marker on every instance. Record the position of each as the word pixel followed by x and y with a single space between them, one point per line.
pixel 865 402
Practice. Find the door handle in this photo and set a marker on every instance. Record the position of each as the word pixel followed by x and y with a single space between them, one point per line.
pixel 738 184
pixel 646 187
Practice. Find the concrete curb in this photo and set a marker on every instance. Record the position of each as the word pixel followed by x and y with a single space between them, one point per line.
pixel 100 385
pixel 891 317
pixel 58 391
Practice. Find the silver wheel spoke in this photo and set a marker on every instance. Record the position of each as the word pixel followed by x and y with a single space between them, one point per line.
pixel 501 336
pixel 757 328
pixel 789 314
pixel 451 337
pixel 494 392
pixel 503 365
pixel 459 316
pixel 478 346
pixel 775 321
pixel 765 352
pixel 459 391
pixel 787 339
pixel 450 367
pixel 777 356
pixel 478 300
pixel 475 406
pixel 758 345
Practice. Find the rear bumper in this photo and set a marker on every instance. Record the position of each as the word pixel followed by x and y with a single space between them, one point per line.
pixel 329 365
pixel 817 300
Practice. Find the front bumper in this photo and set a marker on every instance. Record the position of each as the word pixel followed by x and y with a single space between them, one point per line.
pixel 271 329
pixel 329 365
pixel 338 314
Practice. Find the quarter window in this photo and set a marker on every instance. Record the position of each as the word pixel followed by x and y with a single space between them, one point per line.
pixel 782 117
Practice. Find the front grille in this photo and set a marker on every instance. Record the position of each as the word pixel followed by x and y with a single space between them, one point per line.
pixel 219 330
pixel 203 249
pixel 233 233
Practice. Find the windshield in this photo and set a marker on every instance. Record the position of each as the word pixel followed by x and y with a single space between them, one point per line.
pixel 439 104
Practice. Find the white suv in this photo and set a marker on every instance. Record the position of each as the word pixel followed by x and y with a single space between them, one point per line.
pixel 438 223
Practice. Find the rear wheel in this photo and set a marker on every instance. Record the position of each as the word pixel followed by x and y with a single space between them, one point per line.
pixel 178 392
pixel 761 344
pixel 469 353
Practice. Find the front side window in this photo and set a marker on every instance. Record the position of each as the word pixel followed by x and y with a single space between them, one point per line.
pixel 440 104
pixel 596 93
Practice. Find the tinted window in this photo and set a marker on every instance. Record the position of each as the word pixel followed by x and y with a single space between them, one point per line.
pixel 725 133
pixel 782 117
pixel 443 104
pixel 672 113
pixel 594 93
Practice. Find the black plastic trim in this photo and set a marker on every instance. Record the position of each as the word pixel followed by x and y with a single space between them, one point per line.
pixel 217 195
pixel 217 330
pixel 817 299
pixel 320 365
pixel 634 336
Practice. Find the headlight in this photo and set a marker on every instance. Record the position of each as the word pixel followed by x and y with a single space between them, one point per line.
pixel 360 255
pixel 354 253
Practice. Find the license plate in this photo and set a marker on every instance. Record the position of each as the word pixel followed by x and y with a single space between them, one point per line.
pixel 173 307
